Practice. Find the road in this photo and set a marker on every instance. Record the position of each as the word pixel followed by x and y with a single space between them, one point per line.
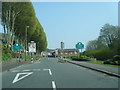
pixel 49 73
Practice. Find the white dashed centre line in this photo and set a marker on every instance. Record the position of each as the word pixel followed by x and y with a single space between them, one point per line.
pixel 26 70
pixel 49 70
pixel 36 69
pixel 53 85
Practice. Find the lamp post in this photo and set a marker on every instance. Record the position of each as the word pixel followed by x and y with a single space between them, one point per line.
pixel 26 43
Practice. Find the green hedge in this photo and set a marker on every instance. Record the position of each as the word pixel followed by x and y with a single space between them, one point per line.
pixel 102 54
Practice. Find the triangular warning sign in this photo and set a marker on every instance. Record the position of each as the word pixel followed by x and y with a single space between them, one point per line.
pixel 16 79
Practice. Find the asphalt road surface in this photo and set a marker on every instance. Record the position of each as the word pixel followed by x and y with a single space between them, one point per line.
pixel 49 73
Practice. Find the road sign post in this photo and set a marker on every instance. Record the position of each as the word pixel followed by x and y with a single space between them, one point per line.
pixel 17 47
pixel 80 46
pixel 32 48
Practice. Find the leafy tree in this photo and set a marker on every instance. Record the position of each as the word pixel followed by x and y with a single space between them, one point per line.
pixel 107 45
pixel 95 44
pixel 25 18
pixel 39 37
pixel 108 34
pixel 91 45
pixel 10 10
pixel 16 17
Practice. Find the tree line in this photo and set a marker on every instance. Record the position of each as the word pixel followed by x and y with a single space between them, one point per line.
pixel 106 45
pixel 21 24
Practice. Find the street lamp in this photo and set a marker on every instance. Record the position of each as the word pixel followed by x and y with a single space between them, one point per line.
pixel 26 43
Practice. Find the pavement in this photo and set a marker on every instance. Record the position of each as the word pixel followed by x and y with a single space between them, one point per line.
pixel 49 73
pixel 114 71
pixel 6 66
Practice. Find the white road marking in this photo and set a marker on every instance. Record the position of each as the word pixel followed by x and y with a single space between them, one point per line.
pixel 36 69
pixel 53 85
pixel 16 71
pixel 49 70
pixel 16 79
pixel 26 70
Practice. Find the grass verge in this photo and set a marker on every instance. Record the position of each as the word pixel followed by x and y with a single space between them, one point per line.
pixel 101 62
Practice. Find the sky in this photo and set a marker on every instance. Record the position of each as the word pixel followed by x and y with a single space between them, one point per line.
pixel 73 22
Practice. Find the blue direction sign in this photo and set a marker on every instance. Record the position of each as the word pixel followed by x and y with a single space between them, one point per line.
pixel 16 47
pixel 79 45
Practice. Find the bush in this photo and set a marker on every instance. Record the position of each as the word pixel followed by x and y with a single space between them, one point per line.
pixel 6 53
pixel 74 56
pixel 116 58
pixel 86 57
pixel 112 62
pixel 108 61
pixel 100 54
pixel 14 54
pixel 6 57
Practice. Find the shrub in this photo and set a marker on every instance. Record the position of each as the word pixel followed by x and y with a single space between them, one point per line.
pixel 111 61
pixel 108 61
pixel 14 54
pixel 86 57
pixel 100 54
pixel 116 58
pixel 6 53
pixel 74 57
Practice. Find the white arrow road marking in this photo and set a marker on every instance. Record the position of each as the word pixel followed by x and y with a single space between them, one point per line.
pixel 53 85
pixel 16 79
pixel 49 71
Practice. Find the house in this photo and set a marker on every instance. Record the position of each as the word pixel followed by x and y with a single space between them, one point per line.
pixel 48 52
pixel 66 52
